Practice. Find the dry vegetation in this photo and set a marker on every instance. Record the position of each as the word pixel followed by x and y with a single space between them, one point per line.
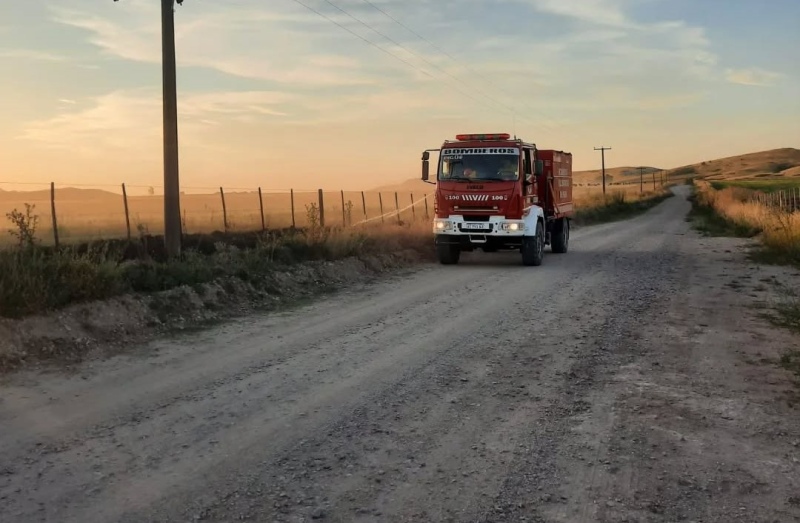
pixel 732 211
pixel 37 277
pixel 85 215
pixel 618 203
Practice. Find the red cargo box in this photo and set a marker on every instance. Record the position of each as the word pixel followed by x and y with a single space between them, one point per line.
pixel 555 190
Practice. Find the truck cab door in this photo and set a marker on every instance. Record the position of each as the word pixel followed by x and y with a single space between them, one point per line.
pixel 529 177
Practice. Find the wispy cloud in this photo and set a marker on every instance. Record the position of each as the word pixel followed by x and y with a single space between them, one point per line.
pixel 601 12
pixel 246 42
pixel 127 120
pixel 752 77
pixel 32 54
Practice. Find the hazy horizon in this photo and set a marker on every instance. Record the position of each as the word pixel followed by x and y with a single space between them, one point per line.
pixel 279 97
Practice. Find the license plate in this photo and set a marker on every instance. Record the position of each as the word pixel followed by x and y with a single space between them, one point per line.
pixel 476 226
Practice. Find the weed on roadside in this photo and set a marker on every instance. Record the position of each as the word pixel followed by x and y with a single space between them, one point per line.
pixel 787 315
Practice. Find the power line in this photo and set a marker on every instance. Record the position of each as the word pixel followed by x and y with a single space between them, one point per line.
pixel 450 56
pixel 373 44
pixel 401 46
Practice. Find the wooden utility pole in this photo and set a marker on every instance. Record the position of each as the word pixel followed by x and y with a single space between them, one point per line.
pixel 603 157
pixel 172 191
pixel 641 179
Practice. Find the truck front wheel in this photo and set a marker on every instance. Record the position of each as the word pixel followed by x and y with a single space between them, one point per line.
pixel 448 254
pixel 561 236
pixel 533 247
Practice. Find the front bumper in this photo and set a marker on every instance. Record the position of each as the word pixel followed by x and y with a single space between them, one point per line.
pixel 496 226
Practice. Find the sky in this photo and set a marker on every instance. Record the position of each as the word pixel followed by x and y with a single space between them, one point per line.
pixel 345 94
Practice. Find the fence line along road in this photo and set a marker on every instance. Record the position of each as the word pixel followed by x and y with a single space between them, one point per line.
pixel 68 215
pixel 785 199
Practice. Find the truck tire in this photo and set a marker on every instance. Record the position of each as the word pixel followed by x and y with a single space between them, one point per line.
pixel 533 247
pixel 561 236
pixel 448 254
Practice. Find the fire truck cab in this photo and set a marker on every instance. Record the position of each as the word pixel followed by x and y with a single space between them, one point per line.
pixel 494 193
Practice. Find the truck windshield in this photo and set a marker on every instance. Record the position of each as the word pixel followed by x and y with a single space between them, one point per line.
pixel 480 164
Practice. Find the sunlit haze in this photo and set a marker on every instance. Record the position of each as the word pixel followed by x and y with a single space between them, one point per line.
pixel 272 94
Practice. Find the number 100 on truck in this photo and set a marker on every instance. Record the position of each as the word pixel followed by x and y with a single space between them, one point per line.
pixel 495 193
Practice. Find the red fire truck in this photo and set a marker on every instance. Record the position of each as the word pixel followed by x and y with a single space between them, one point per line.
pixel 497 193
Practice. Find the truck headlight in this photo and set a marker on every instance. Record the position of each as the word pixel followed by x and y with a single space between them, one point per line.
pixel 441 225
pixel 512 226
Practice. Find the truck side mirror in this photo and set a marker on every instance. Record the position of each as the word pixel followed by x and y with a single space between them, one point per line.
pixel 539 166
pixel 425 166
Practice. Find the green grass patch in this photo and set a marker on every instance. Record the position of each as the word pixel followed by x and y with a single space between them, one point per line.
pixel 767 186
pixel 617 207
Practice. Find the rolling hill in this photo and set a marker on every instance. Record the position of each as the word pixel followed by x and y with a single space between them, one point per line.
pixel 776 164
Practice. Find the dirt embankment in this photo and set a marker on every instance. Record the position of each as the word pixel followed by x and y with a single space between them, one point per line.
pixel 104 327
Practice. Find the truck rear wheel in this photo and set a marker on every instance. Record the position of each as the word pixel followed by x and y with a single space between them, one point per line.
pixel 560 236
pixel 448 254
pixel 533 247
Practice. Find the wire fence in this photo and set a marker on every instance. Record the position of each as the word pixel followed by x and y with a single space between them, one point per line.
pixel 74 213
pixel 787 200
pixel 71 215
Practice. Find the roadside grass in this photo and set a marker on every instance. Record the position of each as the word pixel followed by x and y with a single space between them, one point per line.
pixel 707 220
pixel 36 279
pixel 617 205
pixel 731 212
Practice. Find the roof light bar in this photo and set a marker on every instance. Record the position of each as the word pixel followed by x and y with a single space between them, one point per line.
pixel 491 136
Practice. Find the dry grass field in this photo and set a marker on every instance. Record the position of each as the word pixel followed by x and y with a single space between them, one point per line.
pixel 85 215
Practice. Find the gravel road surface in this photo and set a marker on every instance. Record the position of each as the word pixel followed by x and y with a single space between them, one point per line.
pixel 626 380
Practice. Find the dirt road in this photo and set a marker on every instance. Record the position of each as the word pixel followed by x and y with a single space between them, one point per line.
pixel 618 382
